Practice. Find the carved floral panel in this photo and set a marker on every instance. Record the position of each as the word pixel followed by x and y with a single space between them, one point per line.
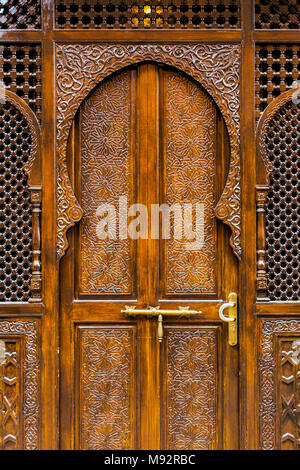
pixel 105 381
pixel 191 388
pixel 106 175
pixel 190 176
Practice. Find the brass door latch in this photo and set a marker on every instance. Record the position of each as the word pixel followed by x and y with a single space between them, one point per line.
pixel 232 318
pixel 157 312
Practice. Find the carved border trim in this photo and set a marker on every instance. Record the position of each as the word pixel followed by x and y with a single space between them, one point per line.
pixel 267 366
pixel 80 67
pixel 263 126
pixel 34 182
pixel 31 379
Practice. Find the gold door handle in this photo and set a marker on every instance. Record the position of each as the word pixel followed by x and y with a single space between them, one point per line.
pixel 159 313
pixel 231 305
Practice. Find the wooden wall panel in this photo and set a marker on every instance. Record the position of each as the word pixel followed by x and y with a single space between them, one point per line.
pixel 279 384
pixel 106 387
pixel 191 379
pixel 10 393
pixel 19 384
pixel 277 67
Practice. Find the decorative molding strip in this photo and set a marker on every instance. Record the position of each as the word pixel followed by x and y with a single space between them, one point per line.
pixel 80 67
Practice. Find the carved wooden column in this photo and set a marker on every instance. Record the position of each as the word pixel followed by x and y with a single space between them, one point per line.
pixel 261 273
pixel 36 275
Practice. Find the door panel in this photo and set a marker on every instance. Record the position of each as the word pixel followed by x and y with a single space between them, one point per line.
pixel 190 373
pixel 106 385
pixel 107 169
pixel 153 135
pixel 189 131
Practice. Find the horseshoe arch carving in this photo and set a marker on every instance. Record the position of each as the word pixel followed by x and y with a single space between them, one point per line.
pixel 80 67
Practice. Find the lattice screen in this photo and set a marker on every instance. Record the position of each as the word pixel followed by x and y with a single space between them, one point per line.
pixel 20 14
pixel 20 70
pixel 283 205
pixel 15 206
pixel 127 14
pixel 277 67
pixel 277 14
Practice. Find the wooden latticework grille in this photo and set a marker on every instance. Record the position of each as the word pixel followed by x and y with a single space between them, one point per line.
pixel 283 205
pixel 15 206
pixel 277 67
pixel 277 14
pixel 20 14
pixel 21 70
pixel 163 14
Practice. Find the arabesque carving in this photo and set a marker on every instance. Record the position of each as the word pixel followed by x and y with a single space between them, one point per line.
pixel 80 67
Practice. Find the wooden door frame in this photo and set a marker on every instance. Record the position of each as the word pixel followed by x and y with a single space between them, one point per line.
pixel 249 310
pixel 69 100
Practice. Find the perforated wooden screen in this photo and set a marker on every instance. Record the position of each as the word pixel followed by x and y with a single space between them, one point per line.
pixel 283 205
pixel 162 14
pixel 15 206
pixel 277 14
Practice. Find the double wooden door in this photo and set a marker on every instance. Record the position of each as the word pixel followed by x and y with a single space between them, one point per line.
pixel 148 135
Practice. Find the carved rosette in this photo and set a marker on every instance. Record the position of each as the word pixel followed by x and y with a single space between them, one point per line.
pixel 80 67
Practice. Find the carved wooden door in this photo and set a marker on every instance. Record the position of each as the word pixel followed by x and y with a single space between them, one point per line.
pixel 149 135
